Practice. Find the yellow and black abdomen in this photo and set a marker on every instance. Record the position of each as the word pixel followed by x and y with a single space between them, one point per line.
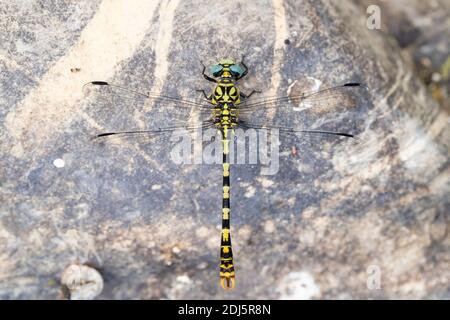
pixel 226 98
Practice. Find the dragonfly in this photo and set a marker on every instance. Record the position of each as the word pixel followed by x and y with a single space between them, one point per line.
pixel 227 108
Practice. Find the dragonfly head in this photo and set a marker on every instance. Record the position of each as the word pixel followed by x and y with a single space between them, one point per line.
pixel 226 68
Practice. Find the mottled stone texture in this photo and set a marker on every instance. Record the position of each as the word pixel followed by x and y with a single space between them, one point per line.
pixel 422 30
pixel 332 216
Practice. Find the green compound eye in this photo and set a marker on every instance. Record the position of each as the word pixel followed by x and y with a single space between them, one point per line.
pixel 236 69
pixel 216 69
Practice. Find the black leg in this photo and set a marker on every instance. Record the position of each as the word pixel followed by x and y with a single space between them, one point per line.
pixel 246 96
pixel 204 94
pixel 206 76
pixel 245 67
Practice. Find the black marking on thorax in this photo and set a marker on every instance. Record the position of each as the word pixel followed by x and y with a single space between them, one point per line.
pixel 226 97
pixel 226 92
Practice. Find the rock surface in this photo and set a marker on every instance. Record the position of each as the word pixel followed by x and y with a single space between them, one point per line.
pixel 422 30
pixel 347 221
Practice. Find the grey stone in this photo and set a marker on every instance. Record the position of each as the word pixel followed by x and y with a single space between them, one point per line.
pixel 336 218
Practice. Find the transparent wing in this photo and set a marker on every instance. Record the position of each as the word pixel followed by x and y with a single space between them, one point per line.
pixel 128 113
pixel 112 92
pixel 150 135
pixel 334 111
pixel 328 95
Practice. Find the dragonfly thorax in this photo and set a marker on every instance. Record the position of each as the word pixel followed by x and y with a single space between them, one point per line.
pixel 225 98
pixel 225 92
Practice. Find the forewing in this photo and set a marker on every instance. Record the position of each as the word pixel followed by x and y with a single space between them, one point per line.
pixel 335 109
pixel 120 109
